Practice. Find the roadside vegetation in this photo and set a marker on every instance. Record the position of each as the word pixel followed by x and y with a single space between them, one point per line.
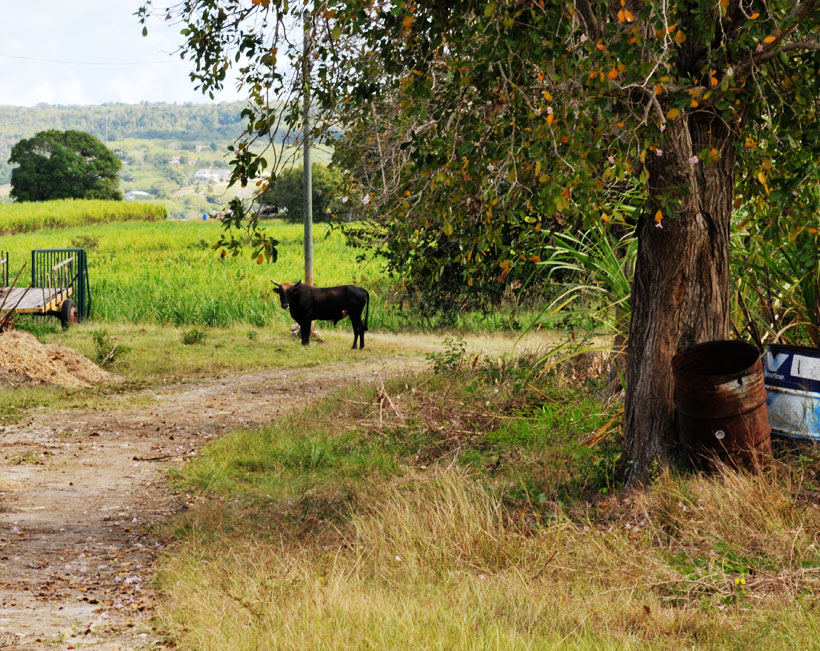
pixel 477 506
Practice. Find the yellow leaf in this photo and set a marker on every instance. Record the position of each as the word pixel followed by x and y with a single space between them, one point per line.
pixel 694 103
pixel 407 23
pixel 761 177
pixel 767 165
pixel 537 168
pixel 621 67
pixel 658 89
pixel 547 96
pixel 672 114
pixel 714 153
pixel 749 142
pixel 470 282
pixel 754 16
pixel 769 39
pixel 658 217
pixel 680 37
pixel 628 15
pixel 550 119
pixel 605 217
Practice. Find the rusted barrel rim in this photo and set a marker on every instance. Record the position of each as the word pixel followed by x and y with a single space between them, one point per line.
pixel 717 361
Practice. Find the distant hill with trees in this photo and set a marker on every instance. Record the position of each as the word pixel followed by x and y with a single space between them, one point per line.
pixel 116 122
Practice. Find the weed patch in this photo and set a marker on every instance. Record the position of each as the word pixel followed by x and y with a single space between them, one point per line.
pixel 476 505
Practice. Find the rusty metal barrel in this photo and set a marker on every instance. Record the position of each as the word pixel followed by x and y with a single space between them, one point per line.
pixel 721 403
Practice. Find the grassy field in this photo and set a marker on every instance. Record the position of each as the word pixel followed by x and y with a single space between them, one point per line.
pixel 481 512
pixel 166 272
pixel 66 213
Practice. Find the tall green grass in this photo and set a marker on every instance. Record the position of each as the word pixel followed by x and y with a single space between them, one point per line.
pixel 66 213
pixel 166 272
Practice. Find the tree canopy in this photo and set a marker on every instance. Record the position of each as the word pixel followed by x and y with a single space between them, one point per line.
pixel 63 165
pixel 285 195
pixel 472 130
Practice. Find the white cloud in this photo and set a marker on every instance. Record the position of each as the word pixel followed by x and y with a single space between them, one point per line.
pixel 90 52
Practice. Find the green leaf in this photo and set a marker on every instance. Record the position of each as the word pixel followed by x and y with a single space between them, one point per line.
pixel 489 10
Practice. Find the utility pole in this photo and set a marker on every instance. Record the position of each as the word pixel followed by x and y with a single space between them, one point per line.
pixel 307 174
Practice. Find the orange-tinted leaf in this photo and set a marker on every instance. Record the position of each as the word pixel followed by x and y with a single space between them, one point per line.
pixel 680 37
pixel 770 39
pixel 672 114
pixel 658 217
pixel 613 74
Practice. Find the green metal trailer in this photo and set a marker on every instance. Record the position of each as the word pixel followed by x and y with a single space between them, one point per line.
pixel 59 286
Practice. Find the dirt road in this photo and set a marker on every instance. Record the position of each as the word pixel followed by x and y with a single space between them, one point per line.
pixel 81 493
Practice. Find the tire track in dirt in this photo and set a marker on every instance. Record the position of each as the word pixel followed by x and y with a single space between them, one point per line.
pixel 80 492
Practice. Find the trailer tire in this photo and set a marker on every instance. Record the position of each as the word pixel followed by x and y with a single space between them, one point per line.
pixel 68 313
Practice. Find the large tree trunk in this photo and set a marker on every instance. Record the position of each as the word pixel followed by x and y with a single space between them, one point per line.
pixel 680 291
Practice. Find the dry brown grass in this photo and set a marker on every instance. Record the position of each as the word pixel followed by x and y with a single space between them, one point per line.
pixel 437 554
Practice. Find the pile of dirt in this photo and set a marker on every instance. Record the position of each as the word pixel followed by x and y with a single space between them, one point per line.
pixel 24 360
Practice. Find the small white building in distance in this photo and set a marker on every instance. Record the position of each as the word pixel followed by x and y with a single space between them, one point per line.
pixel 210 175
pixel 138 195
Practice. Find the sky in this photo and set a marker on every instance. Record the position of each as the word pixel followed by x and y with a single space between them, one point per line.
pixel 90 52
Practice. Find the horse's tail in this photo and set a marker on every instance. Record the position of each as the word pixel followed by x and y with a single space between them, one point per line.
pixel 366 309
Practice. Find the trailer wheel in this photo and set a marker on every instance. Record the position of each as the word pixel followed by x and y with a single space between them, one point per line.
pixel 68 313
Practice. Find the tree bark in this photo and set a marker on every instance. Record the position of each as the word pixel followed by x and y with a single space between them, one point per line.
pixel 680 291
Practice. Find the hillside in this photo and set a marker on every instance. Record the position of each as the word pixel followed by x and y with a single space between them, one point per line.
pixel 206 123
pixel 173 154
